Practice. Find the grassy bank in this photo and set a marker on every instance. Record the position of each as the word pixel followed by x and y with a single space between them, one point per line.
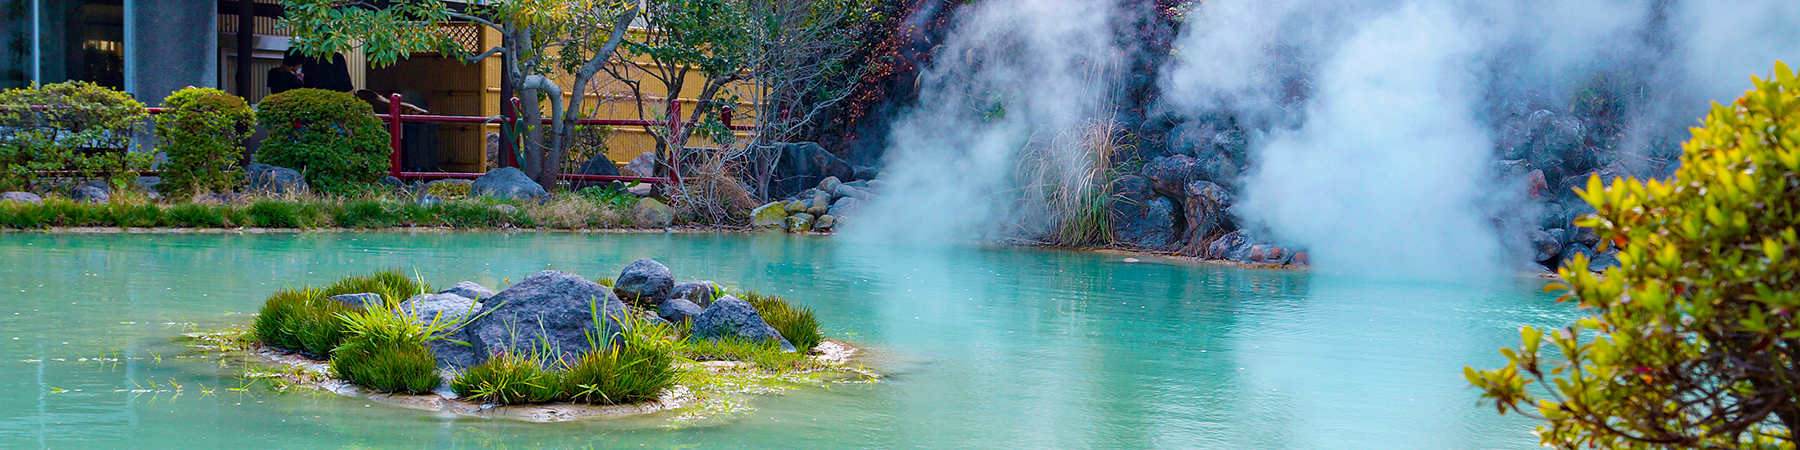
pixel 564 211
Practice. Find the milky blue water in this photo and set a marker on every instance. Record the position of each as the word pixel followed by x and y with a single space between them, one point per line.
pixel 992 347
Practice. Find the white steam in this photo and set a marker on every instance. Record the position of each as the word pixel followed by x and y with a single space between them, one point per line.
pixel 1011 73
pixel 1383 168
pixel 1383 175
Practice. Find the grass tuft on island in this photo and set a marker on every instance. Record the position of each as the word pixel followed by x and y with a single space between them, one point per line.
pixel 377 349
pixel 128 210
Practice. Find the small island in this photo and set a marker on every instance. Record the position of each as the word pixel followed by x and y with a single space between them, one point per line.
pixel 553 347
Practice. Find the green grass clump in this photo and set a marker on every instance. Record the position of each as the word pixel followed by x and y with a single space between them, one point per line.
pixel 796 323
pixel 198 216
pixel 392 284
pixel 302 320
pixel 386 352
pixel 638 366
pixel 508 379
pixel 310 322
pixel 370 214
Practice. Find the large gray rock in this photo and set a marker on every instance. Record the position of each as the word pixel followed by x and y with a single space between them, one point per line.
pixel 642 166
pixel 551 311
pixel 1571 250
pixel 1204 209
pixel 1170 175
pixel 363 300
pixel 802 165
pixel 1605 260
pixel 644 282
pixel 274 180
pixel 21 197
pixel 147 184
pixel 449 309
pixel 1140 217
pixel 650 212
pixel 733 317
pixel 91 192
pixel 678 309
pixel 1234 246
pixel 469 289
pixel 507 183
pixel 845 206
pixel 1544 246
pixel 699 292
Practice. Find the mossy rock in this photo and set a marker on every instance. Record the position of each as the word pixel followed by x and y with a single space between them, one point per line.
pixel 772 215
pixel 448 188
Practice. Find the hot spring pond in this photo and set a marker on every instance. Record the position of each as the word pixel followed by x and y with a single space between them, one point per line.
pixel 981 347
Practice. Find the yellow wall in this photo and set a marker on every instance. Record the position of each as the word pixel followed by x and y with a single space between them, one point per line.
pixel 610 99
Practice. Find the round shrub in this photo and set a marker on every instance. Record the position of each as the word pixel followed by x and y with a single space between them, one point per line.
pixel 331 137
pixel 200 131
pixel 74 125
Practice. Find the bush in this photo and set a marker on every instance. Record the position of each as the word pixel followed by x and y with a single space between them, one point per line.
pixel 201 130
pixel 1694 339
pixel 386 352
pixel 508 379
pixel 392 284
pixel 74 126
pixel 795 323
pixel 638 366
pixel 331 137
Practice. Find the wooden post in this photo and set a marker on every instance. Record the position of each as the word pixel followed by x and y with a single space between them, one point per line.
pixel 394 135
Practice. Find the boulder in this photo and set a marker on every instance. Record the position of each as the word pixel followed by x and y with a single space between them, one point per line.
pixel 829 184
pixel 800 222
pixel 1169 175
pixel 91 192
pixel 1204 209
pixel 506 209
pixel 1605 260
pixel 795 207
pixel 820 200
pixel 678 309
pixel 865 173
pixel 147 184
pixel 259 177
pixel 551 310
pixel 392 182
pixel 817 211
pixel 507 183
pixel 470 290
pixel 429 200
pixel 825 222
pixel 21 197
pixel 802 165
pixel 600 164
pixel 1561 237
pixel 732 317
pixel 1300 258
pixel 363 300
pixel 1570 251
pixel 844 206
pixel 1586 236
pixel 772 215
pixel 644 282
pixel 1544 246
pixel 1140 217
pixel 652 213
pixel 642 166
pixel 699 292
pixel 845 190
pixel 449 309
pixel 1234 246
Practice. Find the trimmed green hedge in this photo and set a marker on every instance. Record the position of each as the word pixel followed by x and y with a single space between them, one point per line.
pixel 332 138
pixel 202 132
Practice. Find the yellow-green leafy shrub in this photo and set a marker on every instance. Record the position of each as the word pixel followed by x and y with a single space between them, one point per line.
pixel 201 130
pixel 1694 342
pixel 73 126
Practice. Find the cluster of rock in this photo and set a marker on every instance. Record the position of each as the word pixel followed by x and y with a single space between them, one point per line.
pixel 1181 203
pixel 88 192
pixel 556 314
pixel 820 208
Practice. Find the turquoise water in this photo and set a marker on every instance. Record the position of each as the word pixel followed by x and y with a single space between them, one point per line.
pixel 983 347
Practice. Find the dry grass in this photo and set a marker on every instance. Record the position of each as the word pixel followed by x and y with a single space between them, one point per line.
pixel 1068 182
pixel 712 192
pixel 573 211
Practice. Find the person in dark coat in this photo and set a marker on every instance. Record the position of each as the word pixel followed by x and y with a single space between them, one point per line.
pixel 331 75
pixel 288 76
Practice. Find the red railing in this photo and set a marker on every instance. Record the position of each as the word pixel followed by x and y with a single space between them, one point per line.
pixel 395 117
